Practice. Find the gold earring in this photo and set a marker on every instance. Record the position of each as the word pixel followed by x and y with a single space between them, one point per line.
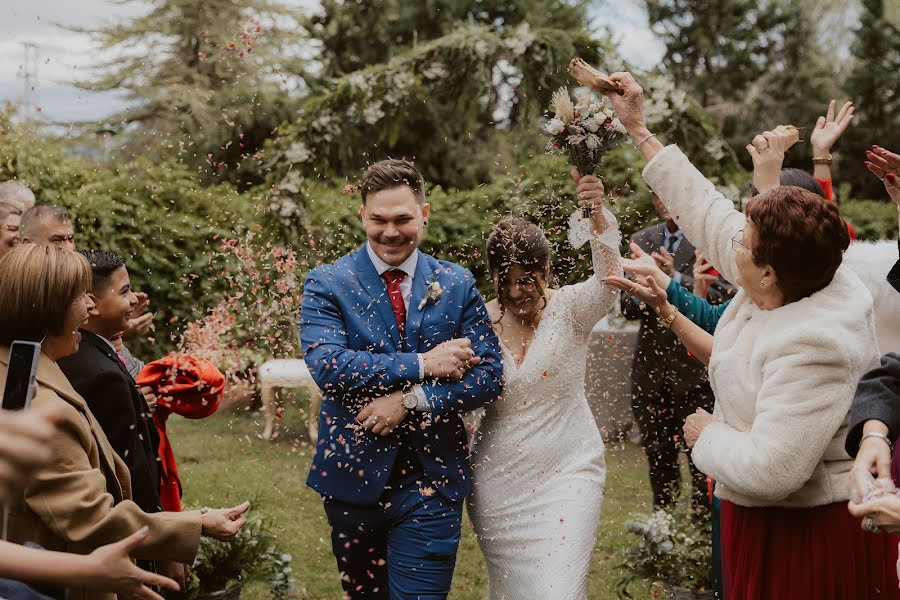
pixel 762 283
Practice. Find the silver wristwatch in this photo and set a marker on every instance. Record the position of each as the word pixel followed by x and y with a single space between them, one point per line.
pixel 410 400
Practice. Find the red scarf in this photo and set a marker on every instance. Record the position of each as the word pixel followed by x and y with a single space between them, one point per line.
pixel 188 386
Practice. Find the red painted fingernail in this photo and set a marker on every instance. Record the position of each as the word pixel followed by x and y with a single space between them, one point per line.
pixel 870 154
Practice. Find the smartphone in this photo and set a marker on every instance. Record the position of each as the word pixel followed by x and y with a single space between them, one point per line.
pixel 19 388
pixel 711 270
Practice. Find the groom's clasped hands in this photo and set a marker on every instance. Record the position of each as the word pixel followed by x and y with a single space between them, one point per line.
pixel 447 360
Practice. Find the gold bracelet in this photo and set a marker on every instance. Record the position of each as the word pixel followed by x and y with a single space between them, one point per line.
pixel 822 160
pixel 667 321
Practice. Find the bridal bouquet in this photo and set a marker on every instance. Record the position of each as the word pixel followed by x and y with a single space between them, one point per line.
pixel 584 130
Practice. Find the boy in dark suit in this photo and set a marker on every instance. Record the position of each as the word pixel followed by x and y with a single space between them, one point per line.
pixel 99 376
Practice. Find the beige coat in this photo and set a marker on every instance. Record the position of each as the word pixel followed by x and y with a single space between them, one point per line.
pixel 82 501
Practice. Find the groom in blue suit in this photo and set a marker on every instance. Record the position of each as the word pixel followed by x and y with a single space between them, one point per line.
pixel 401 345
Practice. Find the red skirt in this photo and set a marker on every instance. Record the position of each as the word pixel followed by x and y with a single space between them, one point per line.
pixel 818 553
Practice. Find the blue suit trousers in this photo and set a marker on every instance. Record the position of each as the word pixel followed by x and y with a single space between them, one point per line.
pixel 403 547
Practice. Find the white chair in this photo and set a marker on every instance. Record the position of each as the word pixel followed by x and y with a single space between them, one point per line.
pixel 288 373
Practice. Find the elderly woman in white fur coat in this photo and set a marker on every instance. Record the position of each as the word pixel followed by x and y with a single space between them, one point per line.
pixel 785 360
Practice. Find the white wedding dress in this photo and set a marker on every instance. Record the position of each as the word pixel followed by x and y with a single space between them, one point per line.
pixel 538 459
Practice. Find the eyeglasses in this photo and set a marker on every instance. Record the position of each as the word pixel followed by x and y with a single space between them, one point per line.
pixel 735 242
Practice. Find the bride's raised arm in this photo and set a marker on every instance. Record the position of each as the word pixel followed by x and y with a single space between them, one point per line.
pixel 589 301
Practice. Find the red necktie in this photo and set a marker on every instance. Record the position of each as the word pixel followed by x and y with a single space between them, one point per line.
pixel 393 279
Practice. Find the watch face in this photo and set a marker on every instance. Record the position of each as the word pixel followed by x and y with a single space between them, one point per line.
pixel 410 400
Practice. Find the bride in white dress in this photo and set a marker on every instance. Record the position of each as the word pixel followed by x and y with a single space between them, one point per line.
pixel 538 459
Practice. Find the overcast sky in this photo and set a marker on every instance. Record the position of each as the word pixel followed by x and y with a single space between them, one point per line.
pixel 64 56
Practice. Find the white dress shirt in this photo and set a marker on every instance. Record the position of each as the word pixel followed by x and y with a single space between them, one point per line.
pixel 408 266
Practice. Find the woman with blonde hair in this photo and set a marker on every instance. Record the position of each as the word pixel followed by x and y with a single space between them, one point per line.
pixel 82 499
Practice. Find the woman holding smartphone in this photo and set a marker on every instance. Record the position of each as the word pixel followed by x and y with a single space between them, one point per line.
pixel 81 499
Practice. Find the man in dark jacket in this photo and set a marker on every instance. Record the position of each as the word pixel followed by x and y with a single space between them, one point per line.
pixel 667 383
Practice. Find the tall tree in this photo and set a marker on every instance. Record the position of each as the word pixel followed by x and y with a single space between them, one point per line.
pixel 874 85
pixel 795 86
pixel 439 80
pixel 717 48
pixel 205 77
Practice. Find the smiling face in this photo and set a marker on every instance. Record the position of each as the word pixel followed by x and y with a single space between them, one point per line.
pixel 9 233
pixel 114 304
pixel 394 222
pixel 522 293
pixel 67 342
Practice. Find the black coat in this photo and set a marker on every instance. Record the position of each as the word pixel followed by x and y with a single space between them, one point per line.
pixel 98 375
pixel 660 355
pixel 877 397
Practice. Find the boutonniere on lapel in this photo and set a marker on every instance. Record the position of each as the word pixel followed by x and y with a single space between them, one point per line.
pixel 432 294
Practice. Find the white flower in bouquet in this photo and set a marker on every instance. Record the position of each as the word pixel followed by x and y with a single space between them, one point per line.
pixel 583 129
pixel 555 126
pixel 617 125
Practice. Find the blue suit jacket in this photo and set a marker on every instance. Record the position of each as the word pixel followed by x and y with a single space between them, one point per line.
pixel 355 354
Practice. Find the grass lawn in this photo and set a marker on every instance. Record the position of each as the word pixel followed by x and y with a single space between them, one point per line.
pixel 223 462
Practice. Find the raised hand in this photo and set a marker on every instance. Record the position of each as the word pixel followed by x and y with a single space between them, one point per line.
pixel 590 193
pixel 702 277
pixel 767 151
pixel 829 128
pixel 886 166
pixel 382 415
pixel 450 359
pixel 665 260
pixel 223 524
pixel 644 289
pixel 645 265
pixel 628 102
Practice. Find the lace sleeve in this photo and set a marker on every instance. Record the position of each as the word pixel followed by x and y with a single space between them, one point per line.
pixel 589 301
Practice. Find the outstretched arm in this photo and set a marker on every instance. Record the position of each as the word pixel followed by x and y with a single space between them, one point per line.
pixel 697 341
pixel 590 300
pixel 827 131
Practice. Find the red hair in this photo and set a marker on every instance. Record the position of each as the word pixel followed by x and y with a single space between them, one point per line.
pixel 800 236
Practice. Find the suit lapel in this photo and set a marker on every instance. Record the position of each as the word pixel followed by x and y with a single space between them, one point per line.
pixel 414 316
pixel 375 287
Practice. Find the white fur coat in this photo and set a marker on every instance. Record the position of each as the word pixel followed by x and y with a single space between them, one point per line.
pixel 784 379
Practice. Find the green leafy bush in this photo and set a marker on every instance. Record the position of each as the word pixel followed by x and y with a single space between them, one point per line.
pixel 872 219
pixel 252 555
pixel 157 216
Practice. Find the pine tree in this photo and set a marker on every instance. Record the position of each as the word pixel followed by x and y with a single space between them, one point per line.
pixel 202 75
pixel 874 85
pixel 717 48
